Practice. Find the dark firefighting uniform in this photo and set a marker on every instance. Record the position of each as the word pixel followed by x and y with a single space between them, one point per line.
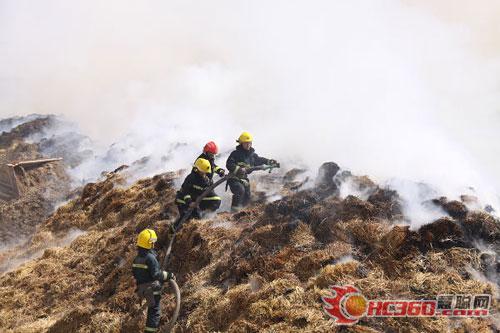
pixel 193 186
pixel 149 279
pixel 241 158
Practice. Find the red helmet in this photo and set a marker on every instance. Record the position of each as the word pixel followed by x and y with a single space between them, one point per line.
pixel 211 148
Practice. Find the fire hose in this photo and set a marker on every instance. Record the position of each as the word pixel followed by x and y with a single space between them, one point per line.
pixel 178 224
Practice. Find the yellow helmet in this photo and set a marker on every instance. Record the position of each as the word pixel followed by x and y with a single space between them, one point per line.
pixel 245 137
pixel 147 239
pixel 203 165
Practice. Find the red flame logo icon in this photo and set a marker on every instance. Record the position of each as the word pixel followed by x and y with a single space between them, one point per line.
pixel 346 305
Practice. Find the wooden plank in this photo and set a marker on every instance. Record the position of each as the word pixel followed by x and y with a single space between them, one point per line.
pixel 34 162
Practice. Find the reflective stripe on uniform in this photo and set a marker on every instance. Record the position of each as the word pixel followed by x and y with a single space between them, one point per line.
pixel 156 292
pixel 140 266
pixel 187 197
pixel 198 187
pixel 243 164
pixel 180 201
pixel 150 329
pixel 212 198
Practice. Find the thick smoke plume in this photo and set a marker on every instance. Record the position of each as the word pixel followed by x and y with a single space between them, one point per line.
pixel 393 89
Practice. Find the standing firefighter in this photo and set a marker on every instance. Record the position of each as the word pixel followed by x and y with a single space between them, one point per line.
pixel 209 152
pixel 149 277
pixel 240 159
pixel 194 185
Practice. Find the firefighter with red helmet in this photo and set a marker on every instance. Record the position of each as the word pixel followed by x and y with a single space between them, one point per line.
pixel 209 152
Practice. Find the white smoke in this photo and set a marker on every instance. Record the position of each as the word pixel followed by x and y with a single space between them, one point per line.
pixel 6 125
pixel 387 88
pixel 10 261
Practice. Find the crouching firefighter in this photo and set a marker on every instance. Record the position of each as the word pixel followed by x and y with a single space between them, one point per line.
pixel 149 277
pixel 193 186
pixel 238 162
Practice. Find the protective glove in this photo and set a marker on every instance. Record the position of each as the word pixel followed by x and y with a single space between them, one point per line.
pixel 241 172
pixel 168 276
pixel 221 172
pixel 273 162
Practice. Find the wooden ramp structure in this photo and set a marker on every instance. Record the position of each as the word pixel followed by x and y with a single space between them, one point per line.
pixel 9 186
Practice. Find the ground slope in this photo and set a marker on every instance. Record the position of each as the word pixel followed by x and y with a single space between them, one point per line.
pixel 263 269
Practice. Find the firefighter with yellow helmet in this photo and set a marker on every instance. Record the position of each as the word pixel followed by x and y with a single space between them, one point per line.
pixel 193 186
pixel 242 158
pixel 149 277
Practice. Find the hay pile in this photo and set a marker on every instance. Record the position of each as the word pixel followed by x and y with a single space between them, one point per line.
pixel 85 286
pixel 263 269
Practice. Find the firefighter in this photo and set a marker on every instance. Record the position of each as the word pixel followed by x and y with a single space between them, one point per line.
pixel 194 185
pixel 209 152
pixel 240 159
pixel 149 277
